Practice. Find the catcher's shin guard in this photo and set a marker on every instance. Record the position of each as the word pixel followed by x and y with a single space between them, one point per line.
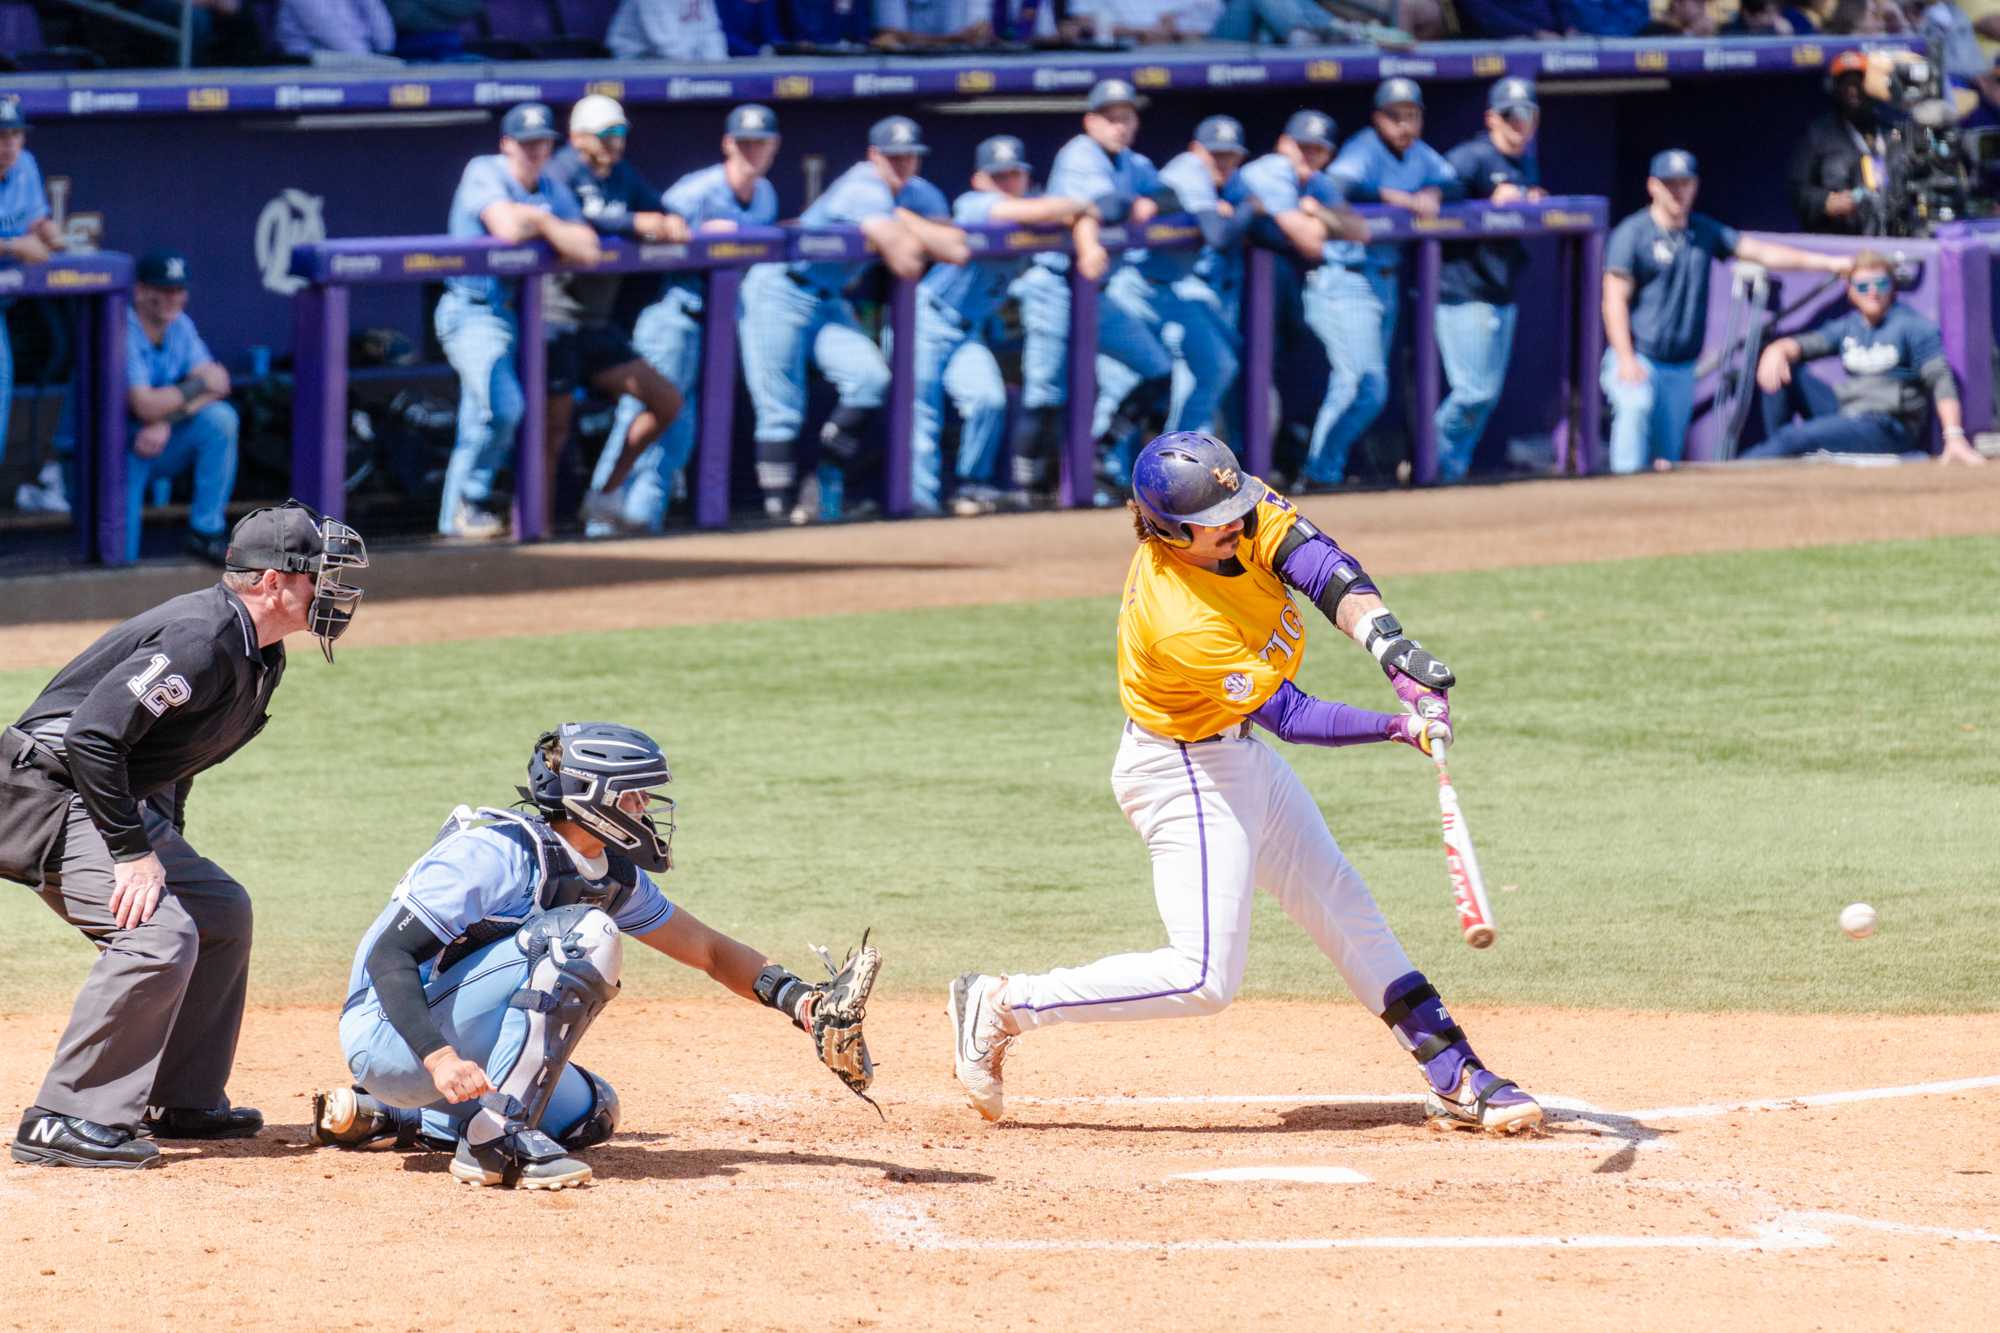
pixel 602 1120
pixel 575 955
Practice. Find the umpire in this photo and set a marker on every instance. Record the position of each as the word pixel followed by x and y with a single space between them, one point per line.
pixel 94 780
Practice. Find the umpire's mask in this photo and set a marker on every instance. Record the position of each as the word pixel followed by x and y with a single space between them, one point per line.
pixel 294 538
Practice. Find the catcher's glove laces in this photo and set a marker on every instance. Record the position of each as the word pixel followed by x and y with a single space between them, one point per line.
pixel 839 1007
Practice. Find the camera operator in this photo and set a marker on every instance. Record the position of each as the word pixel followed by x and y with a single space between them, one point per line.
pixel 1837 170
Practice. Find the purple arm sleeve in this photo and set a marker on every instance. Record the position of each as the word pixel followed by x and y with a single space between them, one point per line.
pixel 1293 715
pixel 1316 561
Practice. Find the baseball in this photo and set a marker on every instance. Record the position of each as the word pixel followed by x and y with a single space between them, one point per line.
pixel 1858 920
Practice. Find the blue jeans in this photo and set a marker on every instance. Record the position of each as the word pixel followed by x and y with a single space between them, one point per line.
pixel 206 442
pixel 1044 298
pixel 668 334
pixel 479 342
pixel 1872 434
pixel 1648 420
pixel 469 1003
pixel 1475 339
pixel 1203 351
pixel 1266 20
pixel 952 363
pixel 1354 316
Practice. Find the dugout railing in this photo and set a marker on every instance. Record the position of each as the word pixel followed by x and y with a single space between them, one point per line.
pixel 331 268
pixel 100 283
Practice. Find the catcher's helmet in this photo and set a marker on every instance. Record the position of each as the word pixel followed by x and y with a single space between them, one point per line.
pixel 602 776
pixel 1188 477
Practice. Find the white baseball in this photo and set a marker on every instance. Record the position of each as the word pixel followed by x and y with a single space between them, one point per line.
pixel 1858 920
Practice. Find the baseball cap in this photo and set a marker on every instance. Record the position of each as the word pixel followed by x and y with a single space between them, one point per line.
pixel 528 122
pixel 1389 92
pixel 751 121
pixel 284 537
pixel 599 115
pixel 896 134
pixel 1311 128
pixel 1002 152
pixel 1512 94
pixel 1673 164
pixel 11 115
pixel 163 268
pixel 1220 134
pixel 1847 62
pixel 1111 92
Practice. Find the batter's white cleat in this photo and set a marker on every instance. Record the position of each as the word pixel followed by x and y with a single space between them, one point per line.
pixel 980 1024
pixel 1483 1101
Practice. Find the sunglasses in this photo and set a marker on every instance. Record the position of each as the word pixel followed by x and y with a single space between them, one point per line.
pixel 1872 286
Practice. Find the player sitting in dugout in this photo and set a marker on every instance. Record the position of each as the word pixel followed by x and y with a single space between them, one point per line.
pixel 473 987
pixel 1894 359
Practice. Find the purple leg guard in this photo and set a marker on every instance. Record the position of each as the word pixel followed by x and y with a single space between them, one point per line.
pixel 1417 1016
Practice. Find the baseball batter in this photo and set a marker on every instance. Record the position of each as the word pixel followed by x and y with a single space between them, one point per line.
pixel 795 308
pixel 1210 643
pixel 474 985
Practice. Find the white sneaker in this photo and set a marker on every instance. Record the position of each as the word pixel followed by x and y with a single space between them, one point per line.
pixel 980 1024
pixel 603 510
pixel 45 494
pixel 478 524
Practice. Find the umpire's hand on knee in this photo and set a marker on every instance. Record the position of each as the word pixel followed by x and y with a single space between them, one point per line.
pixel 136 887
pixel 457 1079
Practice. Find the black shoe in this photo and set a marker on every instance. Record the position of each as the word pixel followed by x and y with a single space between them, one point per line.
pixel 48 1139
pixel 212 547
pixel 182 1122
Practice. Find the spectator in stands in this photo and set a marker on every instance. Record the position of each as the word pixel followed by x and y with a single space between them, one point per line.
pixel 508 194
pixel 585 347
pixel 326 30
pixel 1769 18
pixel 829 25
pixel 1837 169
pixel 177 400
pixel 1294 22
pixel 1476 314
pixel 427 30
pixel 1386 163
pixel 1510 18
pixel 1656 309
pixel 1858 18
pixel 923 25
pixel 1964 59
pixel 1684 18
pixel 28 235
pixel 1605 18
pixel 1145 22
pixel 202 21
pixel 667 30
pixel 1893 357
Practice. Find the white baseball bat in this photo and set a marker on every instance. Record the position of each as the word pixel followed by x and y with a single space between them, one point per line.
pixel 1468 886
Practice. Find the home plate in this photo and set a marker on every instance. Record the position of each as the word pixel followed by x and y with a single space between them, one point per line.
pixel 1298 1175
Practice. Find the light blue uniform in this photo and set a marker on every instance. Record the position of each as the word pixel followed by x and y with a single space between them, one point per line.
pixel 23 203
pixel 1083 170
pixel 477 882
pixel 1162 290
pixel 790 309
pixel 669 335
pixel 1356 293
pixel 205 441
pixel 475 322
pixel 956 304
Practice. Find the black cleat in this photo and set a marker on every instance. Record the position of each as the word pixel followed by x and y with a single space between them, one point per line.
pixel 181 1122
pixel 48 1139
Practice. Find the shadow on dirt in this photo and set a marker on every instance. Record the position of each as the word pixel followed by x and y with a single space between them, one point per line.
pixel 629 1157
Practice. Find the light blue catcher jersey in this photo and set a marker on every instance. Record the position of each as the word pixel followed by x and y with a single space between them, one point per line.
pixel 859 194
pixel 1365 168
pixel 704 196
pixel 1274 182
pixel 481 880
pixel 970 293
pixel 1083 170
pixel 488 181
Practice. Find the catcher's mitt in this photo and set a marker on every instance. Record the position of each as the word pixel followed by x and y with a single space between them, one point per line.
pixel 837 1014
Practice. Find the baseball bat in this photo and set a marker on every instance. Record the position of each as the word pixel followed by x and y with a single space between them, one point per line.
pixel 1468 886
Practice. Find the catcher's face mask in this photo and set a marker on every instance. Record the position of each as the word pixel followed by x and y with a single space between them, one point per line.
pixel 610 779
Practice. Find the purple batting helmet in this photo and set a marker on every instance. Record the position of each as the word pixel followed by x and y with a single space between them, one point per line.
pixel 1188 477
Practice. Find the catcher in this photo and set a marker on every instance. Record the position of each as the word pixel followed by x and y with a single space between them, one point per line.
pixel 472 989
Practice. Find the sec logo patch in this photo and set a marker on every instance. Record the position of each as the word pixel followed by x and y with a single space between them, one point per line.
pixel 1237 686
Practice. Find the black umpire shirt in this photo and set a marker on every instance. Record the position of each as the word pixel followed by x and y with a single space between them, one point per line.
pixel 152 703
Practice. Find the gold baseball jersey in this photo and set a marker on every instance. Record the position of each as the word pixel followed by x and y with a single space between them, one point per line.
pixel 1199 651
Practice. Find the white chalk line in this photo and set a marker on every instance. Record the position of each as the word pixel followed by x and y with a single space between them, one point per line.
pixel 1299 1175
pixel 910 1224
pixel 1705 1109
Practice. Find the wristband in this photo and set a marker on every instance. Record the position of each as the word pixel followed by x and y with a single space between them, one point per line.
pixel 781 990
pixel 1954 432
pixel 1377 632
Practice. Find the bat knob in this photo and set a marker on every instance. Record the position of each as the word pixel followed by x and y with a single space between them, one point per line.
pixel 1479 937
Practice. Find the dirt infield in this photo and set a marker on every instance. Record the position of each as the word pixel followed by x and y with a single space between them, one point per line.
pixel 1712 1170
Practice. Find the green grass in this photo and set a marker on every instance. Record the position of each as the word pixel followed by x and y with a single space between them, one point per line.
pixel 1686 766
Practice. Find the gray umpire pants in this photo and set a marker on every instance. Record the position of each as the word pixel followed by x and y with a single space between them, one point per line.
pixel 157 1020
